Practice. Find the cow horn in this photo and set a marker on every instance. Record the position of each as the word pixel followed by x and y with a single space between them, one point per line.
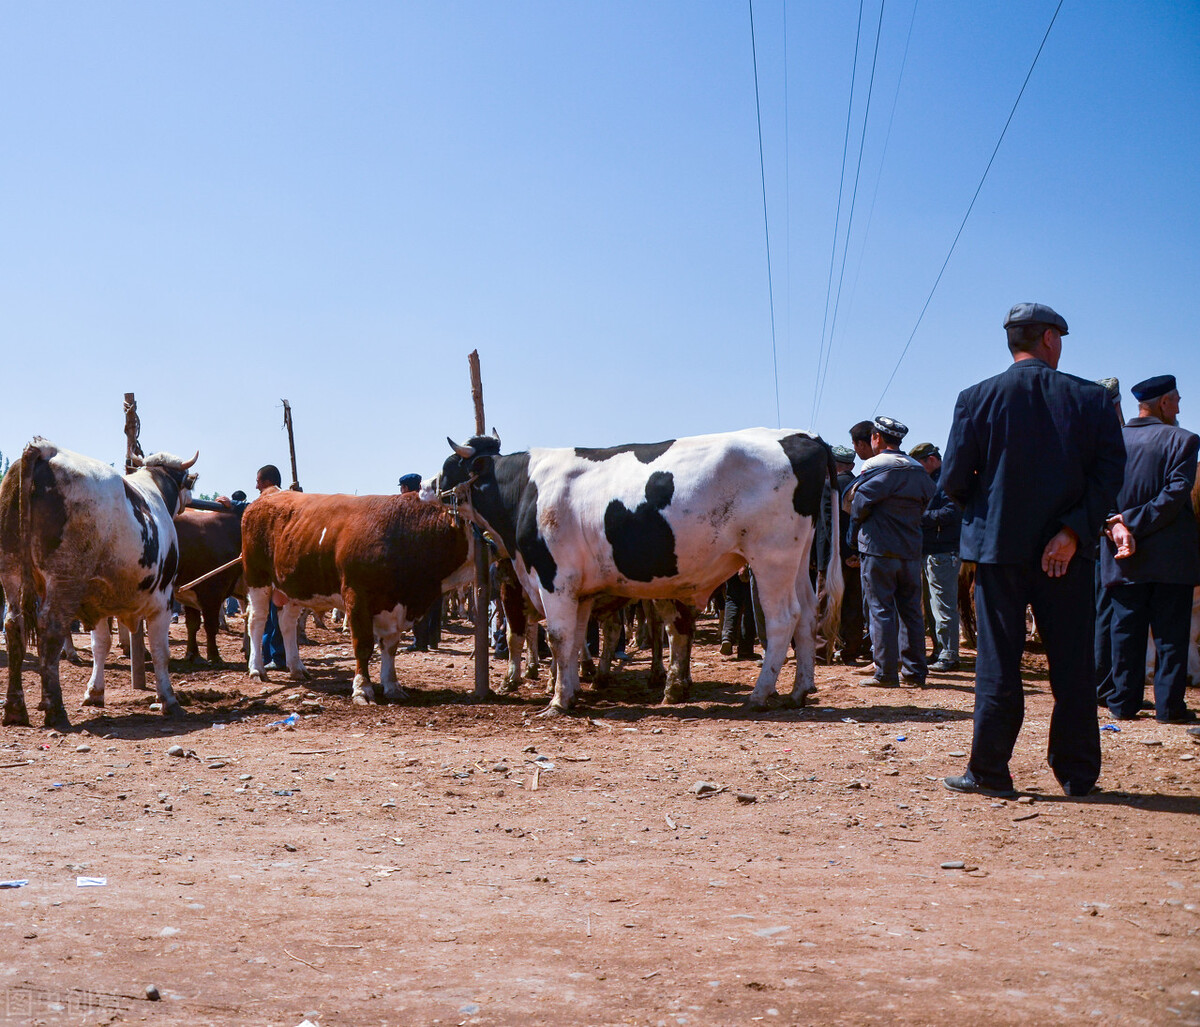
pixel 495 435
pixel 466 452
pixel 188 463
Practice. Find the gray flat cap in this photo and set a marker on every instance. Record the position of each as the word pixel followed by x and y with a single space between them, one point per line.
pixel 890 426
pixel 1112 386
pixel 842 454
pixel 1035 313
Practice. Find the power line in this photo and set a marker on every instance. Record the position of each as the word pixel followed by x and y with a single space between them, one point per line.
pixel 838 215
pixel 862 139
pixel 762 168
pixel 970 207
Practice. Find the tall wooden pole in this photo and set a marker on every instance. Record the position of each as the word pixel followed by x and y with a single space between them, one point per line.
pixel 287 423
pixel 133 447
pixel 482 654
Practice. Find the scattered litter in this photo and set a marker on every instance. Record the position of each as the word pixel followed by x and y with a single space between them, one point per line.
pixel 14 884
pixel 954 864
pixel 285 791
pixel 543 762
pixel 578 859
pixel 1110 727
pixel 671 825
pixel 288 722
pixel 902 738
pixel 849 720
pixel 90 882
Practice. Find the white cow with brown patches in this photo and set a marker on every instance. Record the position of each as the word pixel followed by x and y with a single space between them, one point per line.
pixel 80 540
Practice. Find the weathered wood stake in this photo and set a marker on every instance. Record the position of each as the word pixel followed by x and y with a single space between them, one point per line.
pixel 287 423
pixel 482 653
pixel 137 637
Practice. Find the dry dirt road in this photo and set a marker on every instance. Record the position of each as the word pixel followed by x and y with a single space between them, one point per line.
pixel 446 863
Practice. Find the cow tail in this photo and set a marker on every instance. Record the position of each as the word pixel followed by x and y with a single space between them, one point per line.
pixel 831 618
pixel 28 597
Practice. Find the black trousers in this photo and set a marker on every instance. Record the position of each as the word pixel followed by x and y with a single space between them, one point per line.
pixel 1166 611
pixel 1104 642
pixel 1065 611
pixel 427 630
pixel 852 612
pixel 739 616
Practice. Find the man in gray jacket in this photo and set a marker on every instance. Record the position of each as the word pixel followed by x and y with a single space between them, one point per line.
pixel 886 501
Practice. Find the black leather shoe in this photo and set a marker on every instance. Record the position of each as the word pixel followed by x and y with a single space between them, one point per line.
pixel 1078 791
pixel 973 787
pixel 943 666
pixel 913 679
pixel 1182 717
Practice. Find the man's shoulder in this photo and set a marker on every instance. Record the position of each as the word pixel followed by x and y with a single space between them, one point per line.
pixel 1146 431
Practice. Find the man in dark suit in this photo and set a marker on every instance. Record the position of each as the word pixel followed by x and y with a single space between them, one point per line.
pixel 1151 589
pixel 852 621
pixel 1035 458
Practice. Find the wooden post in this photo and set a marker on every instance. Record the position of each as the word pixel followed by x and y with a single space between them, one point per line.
pixel 482 653
pixel 137 637
pixel 287 423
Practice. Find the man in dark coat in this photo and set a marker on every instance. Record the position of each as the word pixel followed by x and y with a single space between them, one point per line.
pixel 427 630
pixel 886 502
pixel 1104 610
pixel 1035 458
pixel 941 526
pixel 1151 589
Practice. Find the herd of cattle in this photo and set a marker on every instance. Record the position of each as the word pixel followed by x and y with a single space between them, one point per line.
pixel 580 528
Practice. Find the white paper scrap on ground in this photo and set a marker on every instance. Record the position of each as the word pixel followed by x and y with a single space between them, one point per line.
pixel 90 882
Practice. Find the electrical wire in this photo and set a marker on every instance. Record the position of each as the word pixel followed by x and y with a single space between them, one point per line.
pixel 970 207
pixel 766 224
pixel 838 215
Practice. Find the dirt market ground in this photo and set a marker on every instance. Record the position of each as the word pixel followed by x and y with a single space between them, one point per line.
pixel 396 864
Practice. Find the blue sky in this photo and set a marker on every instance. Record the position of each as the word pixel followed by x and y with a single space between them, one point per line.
pixel 216 205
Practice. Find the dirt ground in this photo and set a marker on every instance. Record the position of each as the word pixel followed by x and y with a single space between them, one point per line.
pixel 413 864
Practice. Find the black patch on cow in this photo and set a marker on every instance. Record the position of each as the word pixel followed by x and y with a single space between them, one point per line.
pixel 646 453
pixel 809 458
pixel 642 541
pixel 47 499
pixel 166 572
pixel 146 523
pixel 167 485
pixel 146 583
pixel 530 543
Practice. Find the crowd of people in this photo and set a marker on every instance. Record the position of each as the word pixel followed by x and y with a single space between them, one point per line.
pixel 1063 508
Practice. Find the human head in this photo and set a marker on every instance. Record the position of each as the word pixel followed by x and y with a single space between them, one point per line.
pixel 886 434
pixel 267 476
pixel 410 483
pixel 239 496
pixel 1035 330
pixel 927 455
pixel 860 439
pixel 1158 397
pixel 843 456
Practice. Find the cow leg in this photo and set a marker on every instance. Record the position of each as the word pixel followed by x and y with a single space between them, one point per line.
pixel 388 628
pixel 50 638
pixel 123 633
pixel 778 590
pixel 610 631
pixel 654 633
pixel 362 638
pixel 15 711
pixel 512 599
pixel 566 625
pixel 531 639
pixel 191 618
pixel 289 620
pixel 259 601
pixel 212 624
pixel 804 639
pixel 101 647
pixel 158 628
pixel 681 627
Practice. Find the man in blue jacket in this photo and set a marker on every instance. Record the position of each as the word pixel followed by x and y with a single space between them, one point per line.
pixel 886 501
pixel 1151 589
pixel 1035 458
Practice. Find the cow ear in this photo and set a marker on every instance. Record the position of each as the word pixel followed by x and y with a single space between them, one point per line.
pixel 479 465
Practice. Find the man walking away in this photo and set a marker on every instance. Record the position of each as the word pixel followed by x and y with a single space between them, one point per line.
pixel 1035 458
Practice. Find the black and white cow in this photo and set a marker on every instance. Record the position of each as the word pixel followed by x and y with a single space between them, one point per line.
pixel 670 520
pixel 80 540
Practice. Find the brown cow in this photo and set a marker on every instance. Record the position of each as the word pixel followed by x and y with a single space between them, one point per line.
pixel 208 539
pixel 381 559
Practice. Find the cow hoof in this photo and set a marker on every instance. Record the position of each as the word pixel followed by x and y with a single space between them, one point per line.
pixel 257 675
pixel 172 710
pixel 553 711
pixel 678 694
pixel 508 688
pixel 16 715
pixel 93 700
pixel 57 719
pixel 300 675
pixel 754 703
pixel 800 700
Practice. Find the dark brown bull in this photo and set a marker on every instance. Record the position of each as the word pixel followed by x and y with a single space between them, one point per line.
pixel 208 539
